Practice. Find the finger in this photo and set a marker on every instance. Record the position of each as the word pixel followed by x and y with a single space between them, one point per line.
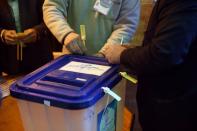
pixel 104 51
pixel 77 48
pixel 107 56
pixel 21 36
pixel 73 47
pixel 10 42
pixel 29 31
pixel 65 50
pixel 80 46
pixel 12 32
pixel 109 59
pixel 10 39
pixel 29 38
pixel 11 35
pixel 70 47
pixel 71 37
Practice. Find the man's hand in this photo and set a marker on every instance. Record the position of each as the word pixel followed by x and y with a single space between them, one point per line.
pixel 74 44
pixel 10 37
pixel 112 53
pixel 29 36
pixel 71 37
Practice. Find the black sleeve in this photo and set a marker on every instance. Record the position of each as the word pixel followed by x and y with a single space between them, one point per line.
pixel 41 29
pixel 175 31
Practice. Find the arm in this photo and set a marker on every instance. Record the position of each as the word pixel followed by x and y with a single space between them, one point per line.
pixel 125 25
pixel 34 32
pixel 40 29
pixel 55 13
pixel 126 22
pixel 170 44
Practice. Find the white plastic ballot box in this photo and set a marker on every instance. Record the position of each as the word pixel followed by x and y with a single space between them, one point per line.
pixel 66 95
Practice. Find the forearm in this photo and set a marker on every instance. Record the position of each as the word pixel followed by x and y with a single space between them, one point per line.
pixel 126 25
pixel 55 13
pixel 168 46
pixel 41 30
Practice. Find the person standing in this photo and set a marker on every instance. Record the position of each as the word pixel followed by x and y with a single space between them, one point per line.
pixel 25 40
pixel 166 67
pixel 99 22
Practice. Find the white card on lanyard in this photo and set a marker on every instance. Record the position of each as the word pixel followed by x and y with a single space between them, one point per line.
pixel 103 6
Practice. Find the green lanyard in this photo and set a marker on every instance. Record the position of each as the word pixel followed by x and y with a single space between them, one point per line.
pixel 15 10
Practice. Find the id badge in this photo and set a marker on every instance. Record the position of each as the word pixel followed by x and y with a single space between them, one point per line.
pixel 103 6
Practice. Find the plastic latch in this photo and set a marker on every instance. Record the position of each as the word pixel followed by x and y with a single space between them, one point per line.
pixel 47 103
pixel 128 77
pixel 111 93
pixel 81 79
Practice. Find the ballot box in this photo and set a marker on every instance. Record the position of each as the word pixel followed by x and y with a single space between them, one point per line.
pixel 67 95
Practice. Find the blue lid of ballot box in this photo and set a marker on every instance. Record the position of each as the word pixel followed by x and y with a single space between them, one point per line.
pixel 71 82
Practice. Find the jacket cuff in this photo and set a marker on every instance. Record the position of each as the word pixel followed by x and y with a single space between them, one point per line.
pixel 41 30
pixel 124 57
pixel 66 34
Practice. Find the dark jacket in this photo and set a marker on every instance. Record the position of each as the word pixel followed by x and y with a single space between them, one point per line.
pixel 34 54
pixel 166 66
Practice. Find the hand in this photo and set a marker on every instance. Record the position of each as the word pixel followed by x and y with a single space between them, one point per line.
pixel 74 44
pixel 99 54
pixel 10 37
pixel 113 52
pixel 71 37
pixel 29 36
pixel 65 50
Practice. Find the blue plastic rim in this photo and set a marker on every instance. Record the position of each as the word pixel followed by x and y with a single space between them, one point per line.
pixel 66 89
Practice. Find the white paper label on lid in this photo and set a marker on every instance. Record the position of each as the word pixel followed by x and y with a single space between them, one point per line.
pixel 85 68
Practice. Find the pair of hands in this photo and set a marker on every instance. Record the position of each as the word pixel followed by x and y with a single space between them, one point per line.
pixel 12 38
pixel 112 52
pixel 74 44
